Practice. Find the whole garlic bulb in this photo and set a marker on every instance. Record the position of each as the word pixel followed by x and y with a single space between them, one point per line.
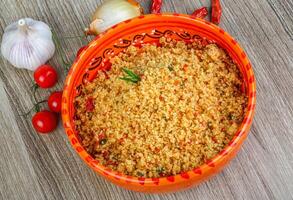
pixel 27 43
pixel 112 12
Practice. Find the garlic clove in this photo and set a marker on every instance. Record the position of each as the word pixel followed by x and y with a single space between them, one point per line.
pixel 27 43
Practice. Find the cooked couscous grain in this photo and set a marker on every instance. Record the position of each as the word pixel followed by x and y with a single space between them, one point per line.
pixel 184 109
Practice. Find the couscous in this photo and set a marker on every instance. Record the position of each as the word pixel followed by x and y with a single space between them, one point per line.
pixel 161 109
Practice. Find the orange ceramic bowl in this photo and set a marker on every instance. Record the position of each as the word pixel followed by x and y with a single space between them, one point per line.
pixel 146 29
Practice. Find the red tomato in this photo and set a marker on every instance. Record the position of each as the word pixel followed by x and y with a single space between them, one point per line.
pixel 45 76
pixel 54 101
pixel 45 121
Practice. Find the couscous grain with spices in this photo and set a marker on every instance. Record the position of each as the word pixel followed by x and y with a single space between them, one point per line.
pixel 185 108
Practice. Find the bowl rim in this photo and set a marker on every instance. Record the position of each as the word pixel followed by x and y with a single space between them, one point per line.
pixel 169 180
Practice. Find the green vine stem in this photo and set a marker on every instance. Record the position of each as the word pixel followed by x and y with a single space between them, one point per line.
pixel 35 108
pixel 34 88
pixel 61 52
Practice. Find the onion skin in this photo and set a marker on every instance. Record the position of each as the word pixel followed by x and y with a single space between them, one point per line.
pixel 133 2
pixel 112 12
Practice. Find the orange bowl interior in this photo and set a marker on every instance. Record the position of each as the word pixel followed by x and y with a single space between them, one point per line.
pixel 148 29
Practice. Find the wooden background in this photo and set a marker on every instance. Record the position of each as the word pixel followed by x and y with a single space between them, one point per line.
pixel 45 167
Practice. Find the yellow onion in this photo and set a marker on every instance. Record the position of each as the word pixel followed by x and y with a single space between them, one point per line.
pixel 112 12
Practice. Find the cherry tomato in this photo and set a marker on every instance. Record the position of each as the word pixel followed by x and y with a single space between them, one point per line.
pixel 45 76
pixel 54 101
pixel 45 121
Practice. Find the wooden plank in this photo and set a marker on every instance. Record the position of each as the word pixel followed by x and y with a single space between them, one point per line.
pixel 45 167
pixel 15 161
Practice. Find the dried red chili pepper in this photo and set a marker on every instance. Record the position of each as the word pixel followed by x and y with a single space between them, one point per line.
pixel 200 13
pixel 216 11
pixel 156 6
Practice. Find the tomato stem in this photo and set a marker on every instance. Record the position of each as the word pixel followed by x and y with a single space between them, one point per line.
pixel 35 87
pixel 61 51
pixel 36 108
pixel 62 54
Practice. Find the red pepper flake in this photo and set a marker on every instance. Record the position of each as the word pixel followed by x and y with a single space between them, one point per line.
pixel 196 113
pixel 101 136
pixel 121 140
pixel 200 13
pixel 76 117
pixel 157 149
pixel 214 139
pixel 156 6
pixel 185 67
pixel 176 82
pixel 111 162
pixel 90 104
pixel 216 11
pixel 105 154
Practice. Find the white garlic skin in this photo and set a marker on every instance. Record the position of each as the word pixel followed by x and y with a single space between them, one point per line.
pixel 27 43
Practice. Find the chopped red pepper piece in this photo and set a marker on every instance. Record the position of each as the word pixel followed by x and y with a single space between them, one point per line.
pixel 185 67
pixel 111 162
pixel 157 149
pixel 101 136
pixel 90 104
pixel 105 155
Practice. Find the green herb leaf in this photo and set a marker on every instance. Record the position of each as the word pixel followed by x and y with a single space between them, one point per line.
pixel 130 76
pixel 126 79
